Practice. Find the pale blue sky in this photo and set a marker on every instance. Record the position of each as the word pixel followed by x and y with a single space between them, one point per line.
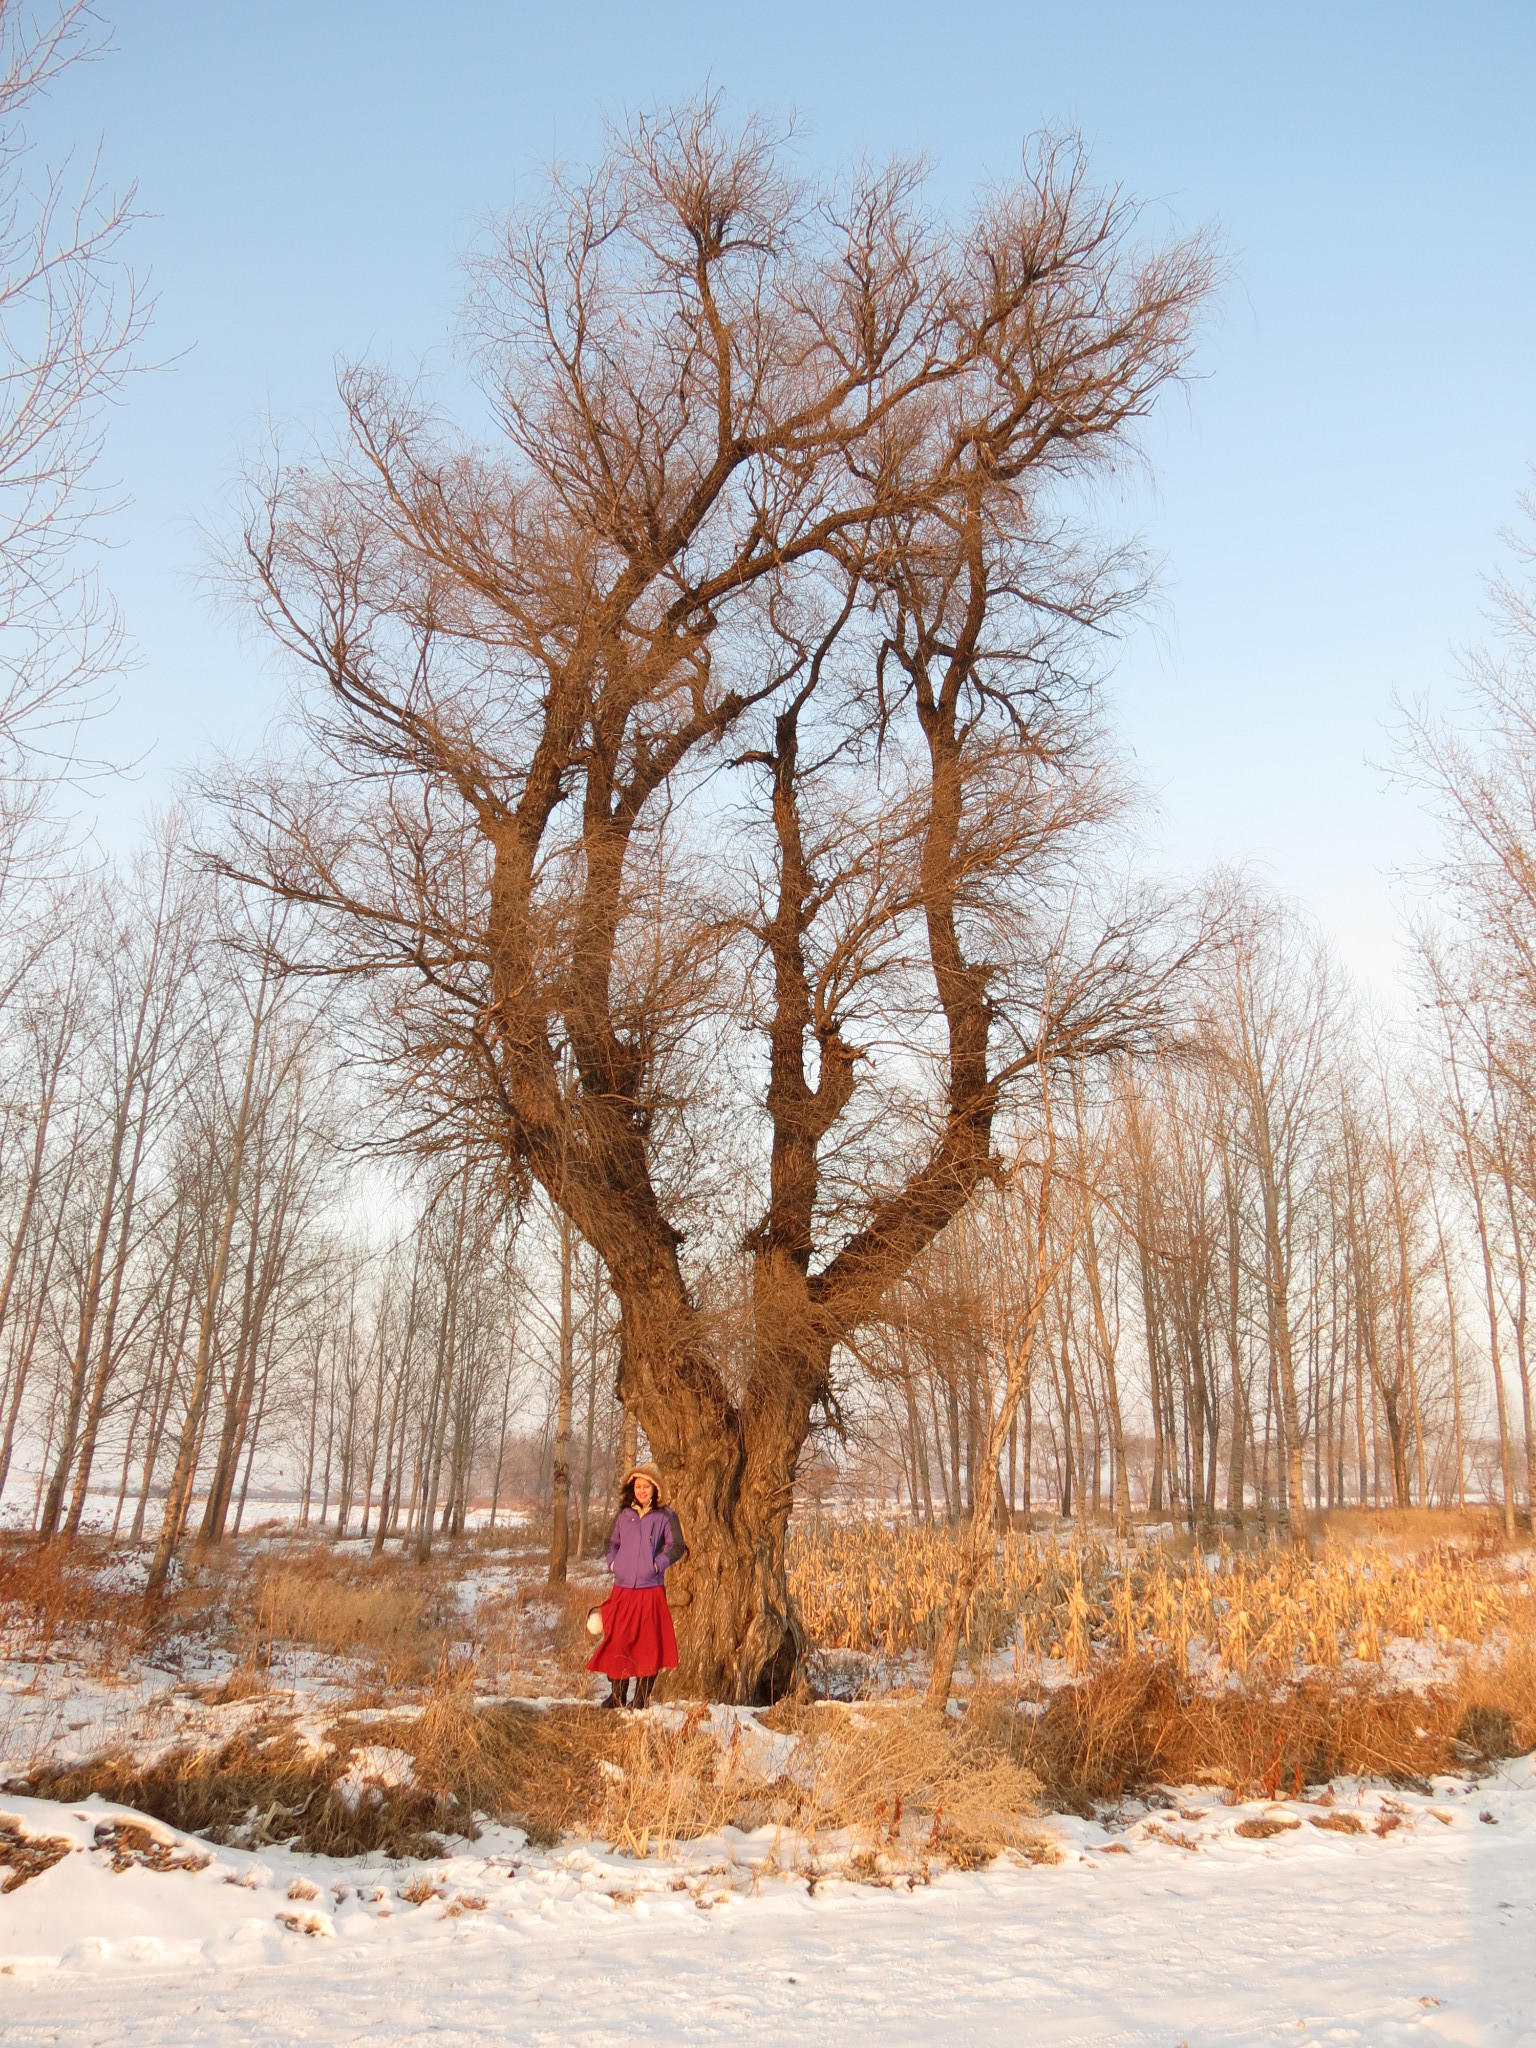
pixel 1328 497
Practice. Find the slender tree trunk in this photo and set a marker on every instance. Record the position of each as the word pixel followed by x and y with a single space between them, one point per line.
pixel 106 1360
pixel 263 1278
pixel 1458 1491
pixel 90 1303
pixel 1522 1363
pixel 437 1418
pixel 586 1476
pixel 979 1538
pixel 1278 1268
pixel 35 1170
pixel 560 1521
pixel 1122 1491
pixel 179 1497
pixel 253 1438
pixel 165 1389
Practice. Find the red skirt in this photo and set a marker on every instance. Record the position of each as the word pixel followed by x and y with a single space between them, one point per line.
pixel 638 1637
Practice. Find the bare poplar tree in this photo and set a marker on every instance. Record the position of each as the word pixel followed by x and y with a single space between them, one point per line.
pixel 1477 771
pixel 1275 1032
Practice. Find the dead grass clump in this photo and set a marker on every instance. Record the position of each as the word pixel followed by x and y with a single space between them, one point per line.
pixel 131 1846
pixel 959 1789
pixel 532 1769
pixel 271 1784
pixel 261 1787
pixel 1135 1721
pixel 51 1599
pixel 376 1613
pixel 315 1925
pixel 905 1786
pixel 659 1784
pixel 1487 1731
pixel 1339 1823
pixel 247 1681
pixel 24 1856
pixel 1495 1691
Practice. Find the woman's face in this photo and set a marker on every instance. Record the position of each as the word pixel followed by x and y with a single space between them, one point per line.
pixel 645 1493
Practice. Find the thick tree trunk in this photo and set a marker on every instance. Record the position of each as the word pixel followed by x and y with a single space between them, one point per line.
pixel 739 1638
pixel 730 1474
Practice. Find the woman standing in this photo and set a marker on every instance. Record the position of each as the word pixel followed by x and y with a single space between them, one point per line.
pixel 638 1637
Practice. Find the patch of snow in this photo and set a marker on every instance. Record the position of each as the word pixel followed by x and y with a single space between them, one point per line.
pixel 371 1770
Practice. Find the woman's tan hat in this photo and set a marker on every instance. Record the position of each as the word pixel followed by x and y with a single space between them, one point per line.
pixel 646 1472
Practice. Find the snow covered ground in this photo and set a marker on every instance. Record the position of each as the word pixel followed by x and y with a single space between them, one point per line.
pixel 1377 1918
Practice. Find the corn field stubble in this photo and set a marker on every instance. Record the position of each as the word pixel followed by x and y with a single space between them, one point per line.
pixel 1258 1673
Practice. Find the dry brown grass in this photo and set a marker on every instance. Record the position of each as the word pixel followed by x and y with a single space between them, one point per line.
pixel 389 1618
pixel 396 1621
pixel 1137 1721
pixel 863 1586
pixel 1476 1529
pixel 900 1787
pixel 895 1784
pixel 877 1789
pixel 881 1790
pixel 267 1785
pixel 274 1783
pixel 24 1856
pixel 51 1598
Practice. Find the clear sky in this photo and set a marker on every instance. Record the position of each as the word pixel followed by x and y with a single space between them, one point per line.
pixel 1328 496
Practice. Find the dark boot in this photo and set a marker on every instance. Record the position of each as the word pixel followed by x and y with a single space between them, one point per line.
pixel 617 1687
pixel 643 1692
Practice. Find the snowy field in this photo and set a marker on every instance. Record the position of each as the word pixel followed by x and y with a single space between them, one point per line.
pixel 1401 1919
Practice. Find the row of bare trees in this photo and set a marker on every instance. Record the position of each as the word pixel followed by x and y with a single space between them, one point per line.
pixel 1284 1266
pixel 189 1293
pixel 164 1158
pixel 1284 1279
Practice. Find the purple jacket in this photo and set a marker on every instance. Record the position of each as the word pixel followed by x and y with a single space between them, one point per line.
pixel 642 1546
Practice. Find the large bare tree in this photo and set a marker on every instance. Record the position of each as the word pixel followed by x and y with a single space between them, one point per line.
pixel 725 724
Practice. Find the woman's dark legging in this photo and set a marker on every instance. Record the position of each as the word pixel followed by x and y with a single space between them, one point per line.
pixel 619 1694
